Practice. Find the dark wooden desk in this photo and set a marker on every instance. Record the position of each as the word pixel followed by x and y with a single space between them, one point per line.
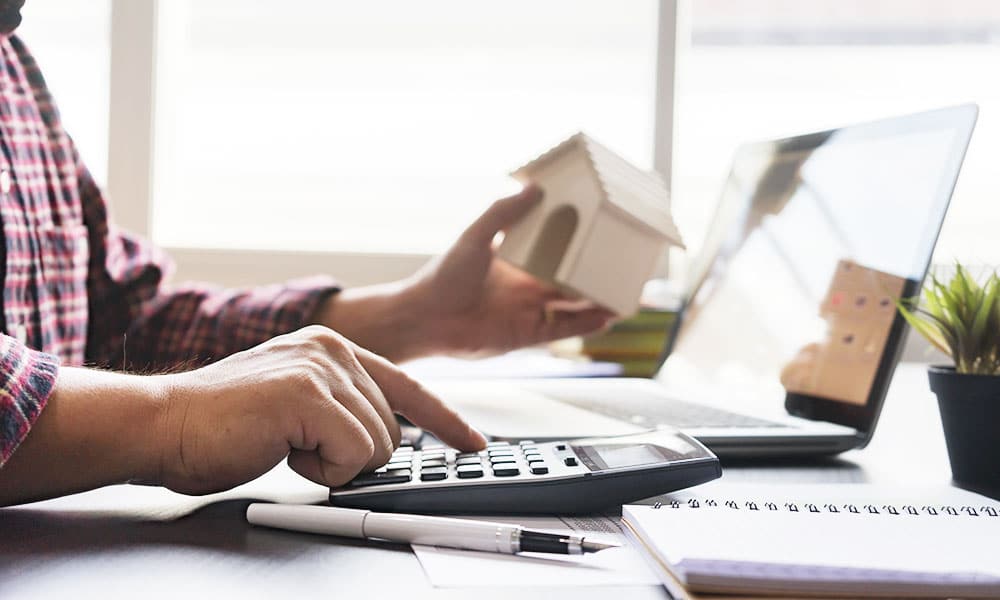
pixel 132 542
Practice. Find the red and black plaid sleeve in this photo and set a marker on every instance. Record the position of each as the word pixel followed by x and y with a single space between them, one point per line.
pixel 26 380
pixel 138 323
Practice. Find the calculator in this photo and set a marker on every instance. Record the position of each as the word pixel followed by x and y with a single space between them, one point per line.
pixel 570 477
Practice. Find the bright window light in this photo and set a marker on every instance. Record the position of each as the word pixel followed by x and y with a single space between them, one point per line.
pixel 383 126
pixel 771 68
pixel 71 41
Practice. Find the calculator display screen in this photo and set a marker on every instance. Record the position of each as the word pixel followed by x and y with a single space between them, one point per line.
pixel 616 456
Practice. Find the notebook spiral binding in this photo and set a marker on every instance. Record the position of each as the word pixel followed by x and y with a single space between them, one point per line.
pixel 889 509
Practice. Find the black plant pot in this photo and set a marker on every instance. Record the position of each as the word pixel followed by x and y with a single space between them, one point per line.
pixel 970 415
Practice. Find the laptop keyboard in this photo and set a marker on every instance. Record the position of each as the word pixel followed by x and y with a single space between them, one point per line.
pixel 649 410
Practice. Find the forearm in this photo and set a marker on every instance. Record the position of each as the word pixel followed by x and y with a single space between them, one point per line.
pixel 388 319
pixel 97 429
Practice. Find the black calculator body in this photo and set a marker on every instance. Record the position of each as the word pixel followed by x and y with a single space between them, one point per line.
pixel 573 477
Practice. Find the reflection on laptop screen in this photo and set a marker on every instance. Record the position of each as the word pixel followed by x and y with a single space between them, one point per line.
pixel 814 240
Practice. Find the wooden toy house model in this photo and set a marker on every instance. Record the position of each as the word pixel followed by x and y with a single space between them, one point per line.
pixel 600 228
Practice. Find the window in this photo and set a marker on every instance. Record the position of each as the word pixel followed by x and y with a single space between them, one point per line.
pixel 771 68
pixel 71 42
pixel 329 128
pixel 383 127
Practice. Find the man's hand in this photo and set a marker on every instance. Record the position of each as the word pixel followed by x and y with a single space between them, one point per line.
pixel 466 302
pixel 311 396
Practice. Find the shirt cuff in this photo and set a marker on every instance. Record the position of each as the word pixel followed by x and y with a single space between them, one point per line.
pixel 27 378
pixel 297 303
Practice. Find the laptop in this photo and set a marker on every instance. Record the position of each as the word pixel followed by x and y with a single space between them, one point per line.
pixel 789 333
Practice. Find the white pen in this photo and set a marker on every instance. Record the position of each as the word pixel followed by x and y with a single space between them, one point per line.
pixel 466 534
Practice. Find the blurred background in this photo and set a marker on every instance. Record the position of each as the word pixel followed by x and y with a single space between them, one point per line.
pixel 258 140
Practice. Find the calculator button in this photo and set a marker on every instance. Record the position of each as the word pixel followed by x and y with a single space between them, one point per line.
pixel 467 454
pixel 561 447
pixel 434 462
pixel 434 474
pixel 498 445
pixel 529 449
pixel 539 469
pixel 469 460
pixel 532 457
pixel 505 470
pixel 394 476
pixel 469 471
pixel 570 461
pixel 426 455
pixel 398 465
pixel 526 442
pixel 497 460
pixel 501 453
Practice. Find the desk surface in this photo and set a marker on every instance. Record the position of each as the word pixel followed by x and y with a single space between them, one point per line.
pixel 123 541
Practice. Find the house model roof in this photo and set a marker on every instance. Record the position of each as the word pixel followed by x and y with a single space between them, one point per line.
pixel 639 194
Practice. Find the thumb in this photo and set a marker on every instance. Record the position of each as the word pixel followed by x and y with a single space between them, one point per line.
pixel 503 213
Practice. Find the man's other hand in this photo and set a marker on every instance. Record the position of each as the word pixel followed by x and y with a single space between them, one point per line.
pixel 465 302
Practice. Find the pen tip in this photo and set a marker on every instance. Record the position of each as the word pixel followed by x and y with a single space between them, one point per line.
pixel 592 546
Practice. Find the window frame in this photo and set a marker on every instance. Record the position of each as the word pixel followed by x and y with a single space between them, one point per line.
pixel 140 28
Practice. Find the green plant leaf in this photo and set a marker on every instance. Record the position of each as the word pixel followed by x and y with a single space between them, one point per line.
pixel 929 331
pixel 960 317
pixel 984 310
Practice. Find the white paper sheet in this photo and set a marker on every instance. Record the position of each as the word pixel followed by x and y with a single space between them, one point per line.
pixel 446 567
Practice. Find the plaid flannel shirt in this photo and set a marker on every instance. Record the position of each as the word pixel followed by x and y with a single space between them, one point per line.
pixel 75 288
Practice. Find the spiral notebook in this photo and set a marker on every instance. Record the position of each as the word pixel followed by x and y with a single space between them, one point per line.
pixel 843 539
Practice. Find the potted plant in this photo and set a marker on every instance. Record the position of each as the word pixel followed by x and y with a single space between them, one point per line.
pixel 961 318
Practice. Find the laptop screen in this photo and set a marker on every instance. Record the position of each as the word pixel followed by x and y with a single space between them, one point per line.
pixel 792 301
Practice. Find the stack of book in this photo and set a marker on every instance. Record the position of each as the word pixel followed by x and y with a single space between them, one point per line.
pixel 637 343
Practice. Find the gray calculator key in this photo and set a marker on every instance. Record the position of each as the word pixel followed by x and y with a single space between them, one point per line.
pixel 539 469
pixel 394 476
pixel 501 452
pixel 434 474
pixel 469 460
pixel 469 471
pixel 506 470
pixel 497 460
pixel 434 462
